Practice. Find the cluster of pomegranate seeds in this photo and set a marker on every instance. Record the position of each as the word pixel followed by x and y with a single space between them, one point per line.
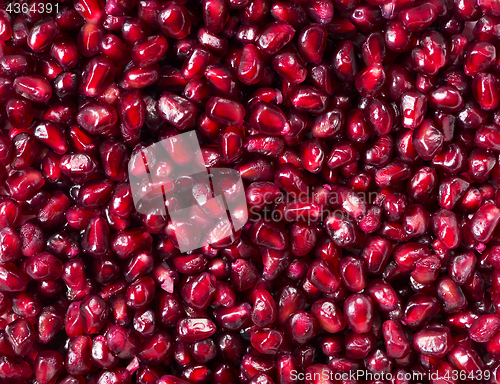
pixel 367 137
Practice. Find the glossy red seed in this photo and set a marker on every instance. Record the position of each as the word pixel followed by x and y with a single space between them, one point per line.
pixel 485 91
pixel 275 36
pixel 309 99
pixel 413 108
pixel 149 51
pixel 420 308
pixel 251 66
pixel 14 370
pixel 174 20
pixel 450 295
pixel 479 57
pixel 418 18
pixel 48 366
pixel 396 342
pixel 21 336
pixel 370 81
pixel 301 327
pixel 484 222
pixel 328 315
pixel 312 42
pixel 433 342
pixel 358 312
pixel 195 329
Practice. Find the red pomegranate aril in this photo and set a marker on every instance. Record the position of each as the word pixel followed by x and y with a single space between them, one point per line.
pixel 484 328
pixel 309 99
pixel 94 313
pixel 290 67
pixel 23 185
pixel 123 342
pixel 446 98
pixel 427 140
pixel 382 294
pixel 465 358
pixel 418 18
pixel 174 21
pixel 358 346
pixel 420 309
pixel 78 356
pixel 33 87
pixel 99 73
pixel 149 51
pixel 21 336
pixel 25 150
pixel 95 239
pixel 480 56
pixel 176 110
pixel 312 42
pixel 461 267
pixel 140 77
pixel 379 151
pixel 194 66
pixel 251 66
pixel 450 191
pixel 433 342
pixel 134 29
pixel 44 266
pixel 328 315
pixel 234 318
pixel 376 253
pixel 5 29
pixel 484 222
pixel 48 366
pixel 321 76
pixel 392 174
pixel 267 342
pixel 396 342
pixel 225 111
pixel 481 163
pixel 42 34
pixel 10 245
pixel 451 296
pixel 370 81
pixel 266 145
pixel 157 348
pixel 426 270
pixel 328 124
pixel 116 50
pixel 199 291
pixel 131 110
pixel 358 312
pixel 274 36
pixel 485 91
pixel 195 329
pixel 341 154
pixel 14 370
pixel 413 108
pixel 89 39
pixel 353 273
pixel 19 112
pixel 301 327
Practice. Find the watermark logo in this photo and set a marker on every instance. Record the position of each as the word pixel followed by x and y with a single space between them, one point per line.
pixel 446 375
pixel 205 206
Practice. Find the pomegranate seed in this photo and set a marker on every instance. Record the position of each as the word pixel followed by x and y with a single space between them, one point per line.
pixel 418 18
pixel 433 342
pixel 396 342
pixel 48 366
pixel 174 21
